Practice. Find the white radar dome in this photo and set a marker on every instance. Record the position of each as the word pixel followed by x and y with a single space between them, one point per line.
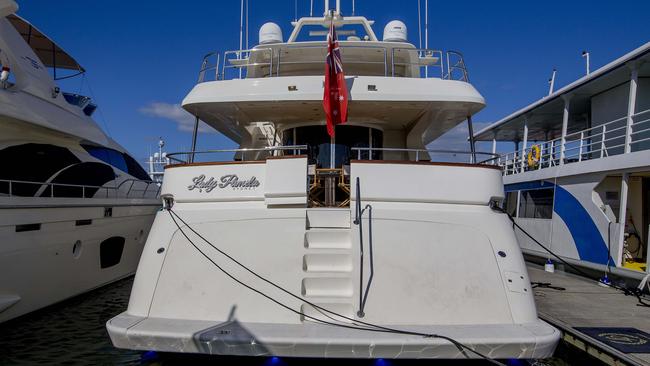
pixel 270 33
pixel 395 31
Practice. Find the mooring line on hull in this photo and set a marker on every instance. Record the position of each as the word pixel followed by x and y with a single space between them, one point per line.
pixel 626 291
pixel 371 327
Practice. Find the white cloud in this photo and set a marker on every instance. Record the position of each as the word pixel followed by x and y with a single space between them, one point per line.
pixel 175 113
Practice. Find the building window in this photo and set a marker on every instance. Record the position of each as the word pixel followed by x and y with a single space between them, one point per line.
pixel 536 204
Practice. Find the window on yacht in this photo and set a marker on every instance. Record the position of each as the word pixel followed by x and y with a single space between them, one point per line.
pixel 118 160
pixel 319 145
pixel 88 174
pixel 536 204
pixel 31 163
pixel 511 203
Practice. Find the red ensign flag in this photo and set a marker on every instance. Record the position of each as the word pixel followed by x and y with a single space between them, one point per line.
pixel 335 96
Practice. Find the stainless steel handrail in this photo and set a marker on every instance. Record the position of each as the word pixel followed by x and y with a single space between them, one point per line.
pixel 453 60
pixel 358 220
pixel 83 187
pixel 417 152
pixel 172 156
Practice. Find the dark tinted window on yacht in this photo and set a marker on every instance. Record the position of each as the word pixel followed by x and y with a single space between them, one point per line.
pixel 31 163
pixel 135 169
pixel 91 175
pixel 109 156
pixel 536 204
pixel 510 203
pixel 118 160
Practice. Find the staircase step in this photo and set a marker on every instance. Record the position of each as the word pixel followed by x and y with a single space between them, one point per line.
pixel 328 218
pixel 323 262
pixel 328 239
pixel 343 309
pixel 327 287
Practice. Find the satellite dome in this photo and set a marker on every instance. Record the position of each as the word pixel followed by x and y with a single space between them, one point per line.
pixel 270 33
pixel 395 31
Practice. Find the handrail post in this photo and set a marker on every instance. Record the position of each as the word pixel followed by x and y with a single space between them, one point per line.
pixel 392 62
pixel 602 141
pixel 417 155
pixel 582 137
pixel 10 184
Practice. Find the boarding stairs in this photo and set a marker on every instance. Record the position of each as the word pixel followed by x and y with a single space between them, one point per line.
pixel 328 264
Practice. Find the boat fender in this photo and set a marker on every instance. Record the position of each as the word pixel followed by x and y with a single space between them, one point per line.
pixel 549 266
pixel 4 74
pixel 534 155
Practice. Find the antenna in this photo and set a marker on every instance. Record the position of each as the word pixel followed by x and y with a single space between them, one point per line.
pixel 352 7
pixel 247 47
pixel 311 8
pixel 585 54
pixel 241 35
pixel 426 32
pixel 338 7
pixel 551 82
pixel 419 25
pixel 295 10
pixel 327 8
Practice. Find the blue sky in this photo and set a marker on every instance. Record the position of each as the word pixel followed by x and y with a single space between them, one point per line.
pixel 143 56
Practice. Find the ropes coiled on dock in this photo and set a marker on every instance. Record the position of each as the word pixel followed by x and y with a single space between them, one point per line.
pixel 357 324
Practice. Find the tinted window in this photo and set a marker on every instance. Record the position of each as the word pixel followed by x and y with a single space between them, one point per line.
pixel 109 156
pixel 135 169
pixel 32 163
pixel 86 174
pixel 536 204
pixel 118 160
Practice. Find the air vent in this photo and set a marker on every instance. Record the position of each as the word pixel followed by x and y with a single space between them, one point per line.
pixel 83 222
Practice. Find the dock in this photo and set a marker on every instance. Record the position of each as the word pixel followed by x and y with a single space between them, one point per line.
pixel 572 303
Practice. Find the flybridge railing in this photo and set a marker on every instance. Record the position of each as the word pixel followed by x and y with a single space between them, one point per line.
pixel 608 139
pixel 130 188
pixel 371 60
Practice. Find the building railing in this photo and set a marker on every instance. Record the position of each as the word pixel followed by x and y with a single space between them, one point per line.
pixel 373 60
pixel 608 139
pixel 130 188
pixel 429 155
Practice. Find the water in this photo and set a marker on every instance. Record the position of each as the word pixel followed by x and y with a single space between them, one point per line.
pixel 74 333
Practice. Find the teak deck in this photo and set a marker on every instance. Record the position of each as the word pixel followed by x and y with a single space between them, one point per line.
pixel 584 303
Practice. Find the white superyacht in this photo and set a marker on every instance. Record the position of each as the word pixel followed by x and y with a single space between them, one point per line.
pixel 361 245
pixel 75 207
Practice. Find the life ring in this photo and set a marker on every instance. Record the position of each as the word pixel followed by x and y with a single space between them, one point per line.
pixel 534 155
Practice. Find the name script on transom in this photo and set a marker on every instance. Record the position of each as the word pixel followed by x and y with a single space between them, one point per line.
pixel 201 183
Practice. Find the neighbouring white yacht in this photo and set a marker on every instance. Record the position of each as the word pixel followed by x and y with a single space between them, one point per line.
pixel 365 245
pixel 75 208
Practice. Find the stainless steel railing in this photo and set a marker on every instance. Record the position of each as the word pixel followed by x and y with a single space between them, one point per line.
pixel 370 59
pixel 608 139
pixel 426 154
pixel 120 191
pixel 268 151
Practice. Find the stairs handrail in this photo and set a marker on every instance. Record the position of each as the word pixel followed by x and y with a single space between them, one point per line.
pixel 358 220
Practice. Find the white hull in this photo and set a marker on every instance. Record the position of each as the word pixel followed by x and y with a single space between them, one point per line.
pixel 423 236
pixel 42 267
